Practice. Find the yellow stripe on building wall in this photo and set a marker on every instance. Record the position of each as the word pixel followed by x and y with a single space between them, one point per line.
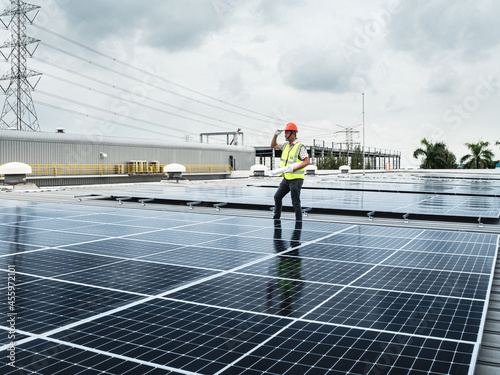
pixel 117 169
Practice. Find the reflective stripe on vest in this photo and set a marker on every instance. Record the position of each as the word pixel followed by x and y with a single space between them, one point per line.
pixel 290 156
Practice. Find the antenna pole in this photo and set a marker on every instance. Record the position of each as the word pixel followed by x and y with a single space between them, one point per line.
pixel 363 133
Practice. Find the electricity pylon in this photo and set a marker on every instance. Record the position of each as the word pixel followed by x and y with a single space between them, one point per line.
pixel 18 111
pixel 349 131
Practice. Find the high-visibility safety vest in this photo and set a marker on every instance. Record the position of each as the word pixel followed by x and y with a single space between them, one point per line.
pixel 290 156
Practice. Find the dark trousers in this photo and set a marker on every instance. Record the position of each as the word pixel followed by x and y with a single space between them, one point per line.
pixel 288 186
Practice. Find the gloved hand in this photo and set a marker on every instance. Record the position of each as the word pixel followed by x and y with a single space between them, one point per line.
pixel 278 131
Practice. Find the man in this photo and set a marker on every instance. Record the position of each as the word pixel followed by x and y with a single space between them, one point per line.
pixel 292 152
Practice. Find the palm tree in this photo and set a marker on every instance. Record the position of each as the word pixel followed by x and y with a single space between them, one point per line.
pixel 480 157
pixel 450 159
pixel 436 155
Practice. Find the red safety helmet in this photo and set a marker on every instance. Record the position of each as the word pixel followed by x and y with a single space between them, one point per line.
pixel 291 126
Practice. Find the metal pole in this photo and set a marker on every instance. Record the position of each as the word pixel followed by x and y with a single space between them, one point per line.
pixel 363 134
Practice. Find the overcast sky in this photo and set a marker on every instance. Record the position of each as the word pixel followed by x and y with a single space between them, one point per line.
pixel 427 69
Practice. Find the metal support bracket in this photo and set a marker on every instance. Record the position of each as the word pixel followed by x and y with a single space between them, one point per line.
pixel 306 210
pixel 481 225
pixel 143 201
pixel 219 205
pixel 191 204
pixel 370 215
pixel 405 218
pixel 79 197
pixel 121 199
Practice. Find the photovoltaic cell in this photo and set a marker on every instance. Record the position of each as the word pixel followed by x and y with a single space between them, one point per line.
pixel 330 271
pixel 137 277
pixel 460 263
pixel 48 304
pixel 380 242
pixel 308 347
pixel 186 336
pixel 123 247
pixel 436 316
pixel 418 280
pixel 202 257
pixel 46 357
pixel 178 237
pixel 452 247
pixel 263 245
pixel 52 262
pixel 51 238
pixel 158 292
pixel 394 232
pixel 269 295
pixel 345 253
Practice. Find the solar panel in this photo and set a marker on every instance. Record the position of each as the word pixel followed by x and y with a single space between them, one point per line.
pixel 393 184
pixel 127 291
pixel 474 206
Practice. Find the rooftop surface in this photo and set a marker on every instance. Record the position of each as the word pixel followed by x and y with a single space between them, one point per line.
pixel 123 287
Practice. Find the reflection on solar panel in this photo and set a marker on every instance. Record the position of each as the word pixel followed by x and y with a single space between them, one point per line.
pixel 351 200
pixel 123 291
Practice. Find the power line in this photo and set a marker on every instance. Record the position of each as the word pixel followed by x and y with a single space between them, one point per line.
pixel 132 93
pixel 86 115
pixel 149 73
pixel 93 63
pixel 113 113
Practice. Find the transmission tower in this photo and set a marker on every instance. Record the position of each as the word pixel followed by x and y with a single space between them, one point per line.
pixel 18 111
pixel 349 132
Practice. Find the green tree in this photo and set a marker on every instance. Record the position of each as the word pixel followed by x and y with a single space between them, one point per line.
pixel 327 162
pixel 342 160
pixel 450 159
pixel 357 159
pixel 435 155
pixel 480 156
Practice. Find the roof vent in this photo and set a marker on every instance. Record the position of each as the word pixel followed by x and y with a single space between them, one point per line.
pixel 174 170
pixel 15 173
pixel 60 130
pixel 344 169
pixel 311 170
pixel 258 170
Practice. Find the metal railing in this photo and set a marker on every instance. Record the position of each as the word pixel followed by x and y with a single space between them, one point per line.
pixel 208 168
pixel 117 169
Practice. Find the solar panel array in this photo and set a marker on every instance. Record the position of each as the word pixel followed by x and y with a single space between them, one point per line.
pixel 112 290
pixel 387 202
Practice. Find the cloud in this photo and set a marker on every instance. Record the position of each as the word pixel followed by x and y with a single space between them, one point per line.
pixel 310 69
pixel 231 71
pixel 165 24
pixel 180 26
pixel 433 29
pixel 443 80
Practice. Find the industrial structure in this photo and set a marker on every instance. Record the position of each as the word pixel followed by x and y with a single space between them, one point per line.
pixel 377 157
